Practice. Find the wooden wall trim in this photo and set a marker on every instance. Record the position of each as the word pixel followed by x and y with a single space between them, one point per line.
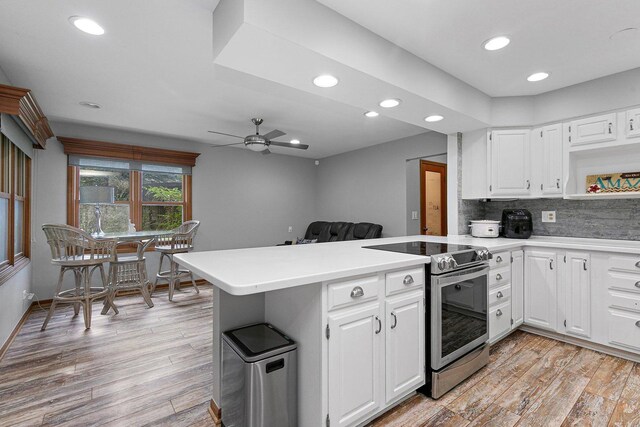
pixel 20 102
pixel 87 147
pixel 216 413
pixel 14 333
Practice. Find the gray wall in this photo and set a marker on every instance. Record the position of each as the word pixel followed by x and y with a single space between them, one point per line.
pixel 600 219
pixel 370 184
pixel 12 306
pixel 242 198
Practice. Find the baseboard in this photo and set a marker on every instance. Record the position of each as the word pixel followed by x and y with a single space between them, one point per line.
pixel 216 413
pixel 583 343
pixel 15 331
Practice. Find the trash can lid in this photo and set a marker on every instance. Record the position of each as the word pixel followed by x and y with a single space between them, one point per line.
pixel 257 342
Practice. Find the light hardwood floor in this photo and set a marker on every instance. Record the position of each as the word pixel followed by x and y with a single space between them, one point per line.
pixel 153 367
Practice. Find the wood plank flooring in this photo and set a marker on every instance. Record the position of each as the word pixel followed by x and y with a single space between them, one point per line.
pixel 152 367
pixel 533 381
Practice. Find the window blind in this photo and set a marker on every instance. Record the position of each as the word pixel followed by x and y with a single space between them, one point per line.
pixel 126 165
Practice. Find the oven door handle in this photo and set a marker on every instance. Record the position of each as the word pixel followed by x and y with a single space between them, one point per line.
pixel 461 276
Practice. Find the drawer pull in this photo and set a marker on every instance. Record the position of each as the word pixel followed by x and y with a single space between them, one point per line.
pixel 499 259
pixel 499 295
pixel 584 264
pixel 638 323
pixel 498 313
pixel 379 325
pixel 637 284
pixel 638 264
pixel 357 292
pixel 498 276
pixel 395 320
pixel 408 280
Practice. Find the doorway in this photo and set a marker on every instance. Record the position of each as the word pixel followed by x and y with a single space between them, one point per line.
pixel 433 198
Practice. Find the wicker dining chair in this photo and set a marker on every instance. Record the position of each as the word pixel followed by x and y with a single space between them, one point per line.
pixel 178 242
pixel 72 249
pixel 128 273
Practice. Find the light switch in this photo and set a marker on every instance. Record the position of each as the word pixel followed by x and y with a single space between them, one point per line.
pixel 290 229
pixel 548 216
pixel 414 214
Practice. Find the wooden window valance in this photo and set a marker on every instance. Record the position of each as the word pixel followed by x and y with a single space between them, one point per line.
pixel 20 102
pixel 85 147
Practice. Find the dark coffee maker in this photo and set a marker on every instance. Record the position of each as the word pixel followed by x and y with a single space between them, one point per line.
pixel 516 223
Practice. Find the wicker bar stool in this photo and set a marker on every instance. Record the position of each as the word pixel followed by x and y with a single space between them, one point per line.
pixel 128 273
pixel 178 242
pixel 75 250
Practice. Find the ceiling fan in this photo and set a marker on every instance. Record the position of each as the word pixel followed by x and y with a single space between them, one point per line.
pixel 261 143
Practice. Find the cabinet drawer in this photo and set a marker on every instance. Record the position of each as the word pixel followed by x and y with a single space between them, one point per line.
pixel 624 281
pixel 499 276
pixel 404 280
pixel 624 329
pixel 500 259
pixel 343 294
pixel 499 295
pixel 629 263
pixel 624 301
pixel 499 320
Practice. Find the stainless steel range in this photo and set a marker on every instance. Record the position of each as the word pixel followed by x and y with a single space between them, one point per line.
pixel 457 319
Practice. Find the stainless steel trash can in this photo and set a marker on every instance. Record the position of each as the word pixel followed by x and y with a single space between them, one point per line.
pixel 259 378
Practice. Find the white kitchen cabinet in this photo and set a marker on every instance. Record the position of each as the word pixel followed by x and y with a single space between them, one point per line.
pixel 547 158
pixel 405 357
pixel 577 305
pixel 499 320
pixel 355 350
pixel 541 292
pixel 517 288
pixel 632 125
pixel 510 163
pixel 592 130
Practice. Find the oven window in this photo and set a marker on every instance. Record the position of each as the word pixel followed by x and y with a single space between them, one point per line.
pixel 464 313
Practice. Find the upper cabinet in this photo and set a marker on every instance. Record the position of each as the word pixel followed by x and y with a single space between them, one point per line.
pixel 593 130
pixel 548 164
pixel 632 124
pixel 510 166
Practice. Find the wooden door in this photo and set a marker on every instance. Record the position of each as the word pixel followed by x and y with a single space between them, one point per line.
pixel 510 162
pixel 405 364
pixel 355 356
pixel 578 294
pixel 433 198
pixel 541 293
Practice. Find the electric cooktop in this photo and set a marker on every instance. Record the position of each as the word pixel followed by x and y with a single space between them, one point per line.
pixel 422 248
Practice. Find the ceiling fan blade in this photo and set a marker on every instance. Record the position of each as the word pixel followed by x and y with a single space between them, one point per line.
pixel 289 145
pixel 266 151
pixel 226 145
pixel 226 134
pixel 273 134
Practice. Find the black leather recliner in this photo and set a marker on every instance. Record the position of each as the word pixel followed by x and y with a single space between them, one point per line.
pixel 364 230
pixel 315 229
pixel 335 232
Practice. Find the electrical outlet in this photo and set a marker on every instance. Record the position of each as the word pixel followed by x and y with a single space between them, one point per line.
pixel 24 294
pixel 414 214
pixel 548 216
pixel 290 229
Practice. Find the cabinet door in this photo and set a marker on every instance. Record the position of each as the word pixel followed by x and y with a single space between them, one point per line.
pixel 355 348
pixel 632 125
pixel 551 155
pixel 405 363
pixel 499 321
pixel 578 294
pixel 593 130
pixel 540 286
pixel 517 288
pixel 510 162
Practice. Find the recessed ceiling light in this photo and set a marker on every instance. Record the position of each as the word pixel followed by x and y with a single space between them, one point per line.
pixel 536 77
pixel 295 141
pixel 371 114
pixel 87 25
pixel 390 103
pixel 434 118
pixel 90 105
pixel 325 80
pixel 496 43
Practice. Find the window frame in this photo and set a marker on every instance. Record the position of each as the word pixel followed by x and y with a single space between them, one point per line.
pixel 16 176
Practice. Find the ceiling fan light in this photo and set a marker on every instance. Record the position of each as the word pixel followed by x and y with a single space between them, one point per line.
pixel 254 146
pixel 295 141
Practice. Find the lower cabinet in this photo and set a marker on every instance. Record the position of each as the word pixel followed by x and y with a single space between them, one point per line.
pixel 506 294
pixel 541 289
pixel 517 288
pixel 376 347
pixel 577 285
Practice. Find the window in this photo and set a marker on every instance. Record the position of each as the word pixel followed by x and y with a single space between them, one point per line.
pixel 15 189
pixel 152 187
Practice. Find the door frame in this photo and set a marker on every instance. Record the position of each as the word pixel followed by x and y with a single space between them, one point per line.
pixel 426 165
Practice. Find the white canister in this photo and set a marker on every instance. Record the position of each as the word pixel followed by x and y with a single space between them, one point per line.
pixel 485 228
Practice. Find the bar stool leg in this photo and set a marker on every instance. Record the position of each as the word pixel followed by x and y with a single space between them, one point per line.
pixel 145 294
pixel 87 295
pixel 54 301
pixel 176 273
pixel 153 288
pixel 193 282
pixel 76 305
pixel 172 280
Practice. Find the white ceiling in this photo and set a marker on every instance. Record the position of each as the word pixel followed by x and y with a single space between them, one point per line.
pixel 153 71
pixel 568 38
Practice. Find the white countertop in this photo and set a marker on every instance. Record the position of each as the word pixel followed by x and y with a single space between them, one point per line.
pixel 256 270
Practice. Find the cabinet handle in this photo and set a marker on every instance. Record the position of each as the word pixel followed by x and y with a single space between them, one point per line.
pixel 584 264
pixel 357 292
pixel 499 259
pixel 379 325
pixel 408 280
pixel 395 320
pixel 631 124
pixel 499 295
pixel 551 263
pixel 558 183
pixel 637 285
pixel 498 276
pixel 610 125
pixel 638 264
pixel 638 323
pixel 498 313
pixel 528 184
pixel 541 186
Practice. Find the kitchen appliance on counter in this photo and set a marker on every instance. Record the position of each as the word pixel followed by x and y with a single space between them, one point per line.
pixel 485 228
pixel 516 223
pixel 457 318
